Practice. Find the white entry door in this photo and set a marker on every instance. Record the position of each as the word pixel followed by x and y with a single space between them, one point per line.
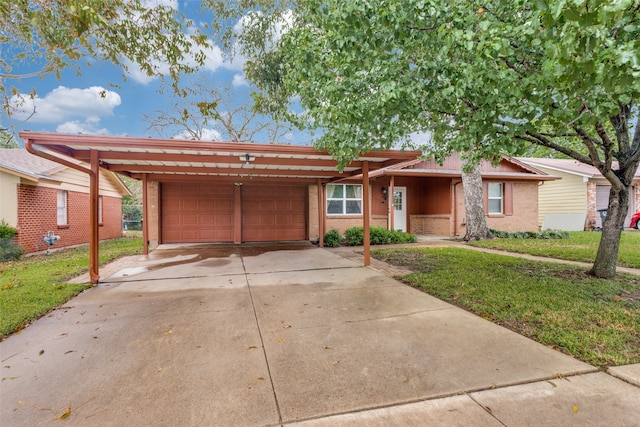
pixel 400 208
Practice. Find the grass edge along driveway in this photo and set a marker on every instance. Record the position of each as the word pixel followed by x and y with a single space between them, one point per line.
pixel 597 321
pixel 34 285
pixel 580 246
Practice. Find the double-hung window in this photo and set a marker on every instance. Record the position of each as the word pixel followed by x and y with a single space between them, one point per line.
pixel 344 199
pixel 62 208
pixel 495 198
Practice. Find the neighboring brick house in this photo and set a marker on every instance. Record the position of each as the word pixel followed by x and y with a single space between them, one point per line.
pixel 428 198
pixel 572 202
pixel 38 196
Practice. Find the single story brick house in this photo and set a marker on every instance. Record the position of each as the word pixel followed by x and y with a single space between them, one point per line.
pixel 38 195
pixel 423 197
pixel 572 202
pixel 196 191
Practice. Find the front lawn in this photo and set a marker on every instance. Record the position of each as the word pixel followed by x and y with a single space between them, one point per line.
pixel 33 286
pixel 594 320
pixel 580 246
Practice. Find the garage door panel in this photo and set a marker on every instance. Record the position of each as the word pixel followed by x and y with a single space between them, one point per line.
pixel 274 212
pixel 197 212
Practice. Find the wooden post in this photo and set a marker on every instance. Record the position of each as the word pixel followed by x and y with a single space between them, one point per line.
pixel 145 215
pixel 320 214
pixel 237 213
pixel 366 213
pixel 392 206
pixel 94 237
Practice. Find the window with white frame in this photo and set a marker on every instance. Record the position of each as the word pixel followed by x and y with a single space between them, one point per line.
pixel 62 207
pixel 344 199
pixel 495 198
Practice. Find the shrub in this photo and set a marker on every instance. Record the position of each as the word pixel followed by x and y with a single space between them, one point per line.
pixel 332 238
pixel 6 231
pixel 354 236
pixel 8 249
pixel 543 234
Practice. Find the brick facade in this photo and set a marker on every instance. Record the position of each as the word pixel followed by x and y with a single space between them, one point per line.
pixel 37 215
pixel 591 205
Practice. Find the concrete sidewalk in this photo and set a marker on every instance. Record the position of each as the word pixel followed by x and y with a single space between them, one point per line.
pixel 299 335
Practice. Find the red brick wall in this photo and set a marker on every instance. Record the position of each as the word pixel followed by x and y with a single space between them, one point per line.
pixel 37 214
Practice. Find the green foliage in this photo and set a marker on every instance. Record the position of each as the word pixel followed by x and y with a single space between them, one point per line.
pixel 542 234
pixel 354 236
pixel 332 239
pixel 60 34
pixel 595 320
pixel 6 231
pixel 580 246
pixel 8 249
pixel 35 285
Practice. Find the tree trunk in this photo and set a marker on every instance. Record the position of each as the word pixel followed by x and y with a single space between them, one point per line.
pixel 477 228
pixel 607 258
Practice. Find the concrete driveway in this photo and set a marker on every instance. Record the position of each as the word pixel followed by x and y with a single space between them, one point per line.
pixel 242 336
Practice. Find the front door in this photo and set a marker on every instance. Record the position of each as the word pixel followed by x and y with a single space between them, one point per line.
pixel 400 208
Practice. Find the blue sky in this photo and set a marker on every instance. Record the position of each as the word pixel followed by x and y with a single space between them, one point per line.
pixel 73 104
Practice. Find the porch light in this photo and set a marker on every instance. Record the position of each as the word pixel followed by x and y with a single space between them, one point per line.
pixel 247 158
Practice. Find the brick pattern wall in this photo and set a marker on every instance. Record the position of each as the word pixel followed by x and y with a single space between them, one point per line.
pixel 637 197
pixel 37 215
pixel 440 225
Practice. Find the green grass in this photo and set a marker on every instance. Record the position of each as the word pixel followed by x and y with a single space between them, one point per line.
pixel 33 286
pixel 594 320
pixel 580 246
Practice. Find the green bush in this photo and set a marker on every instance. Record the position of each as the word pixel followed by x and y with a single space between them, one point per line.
pixel 354 236
pixel 6 231
pixel 8 249
pixel 332 238
pixel 543 234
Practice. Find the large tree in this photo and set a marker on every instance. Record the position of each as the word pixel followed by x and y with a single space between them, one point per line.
pixel 45 37
pixel 212 112
pixel 485 78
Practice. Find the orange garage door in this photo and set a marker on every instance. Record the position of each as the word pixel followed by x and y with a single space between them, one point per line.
pixel 197 212
pixel 204 212
pixel 274 212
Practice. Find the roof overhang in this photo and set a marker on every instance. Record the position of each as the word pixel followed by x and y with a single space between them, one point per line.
pixel 166 160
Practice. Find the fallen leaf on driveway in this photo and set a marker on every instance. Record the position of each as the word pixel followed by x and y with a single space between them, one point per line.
pixel 251 347
pixel 65 414
pixel 281 340
pixel 575 409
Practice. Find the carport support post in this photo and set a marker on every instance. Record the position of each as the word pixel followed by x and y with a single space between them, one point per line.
pixel 94 238
pixel 366 213
pixel 391 204
pixel 320 214
pixel 145 215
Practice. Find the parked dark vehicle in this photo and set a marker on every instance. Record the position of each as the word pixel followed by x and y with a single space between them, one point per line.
pixel 635 221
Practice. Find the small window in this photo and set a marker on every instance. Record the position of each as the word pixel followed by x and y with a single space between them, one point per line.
pixel 62 207
pixel 99 209
pixel 495 198
pixel 344 199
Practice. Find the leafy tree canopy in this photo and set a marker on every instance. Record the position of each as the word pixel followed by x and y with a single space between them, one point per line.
pixel 59 34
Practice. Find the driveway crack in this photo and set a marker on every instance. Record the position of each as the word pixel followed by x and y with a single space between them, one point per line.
pixel 264 349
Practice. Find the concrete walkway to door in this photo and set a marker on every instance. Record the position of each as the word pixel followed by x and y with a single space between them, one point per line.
pixel 286 334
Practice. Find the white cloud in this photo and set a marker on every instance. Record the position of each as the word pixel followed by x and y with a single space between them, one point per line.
pixel 239 80
pixel 65 103
pixel 87 127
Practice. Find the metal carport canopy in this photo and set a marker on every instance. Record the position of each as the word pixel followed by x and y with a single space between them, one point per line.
pixel 171 159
